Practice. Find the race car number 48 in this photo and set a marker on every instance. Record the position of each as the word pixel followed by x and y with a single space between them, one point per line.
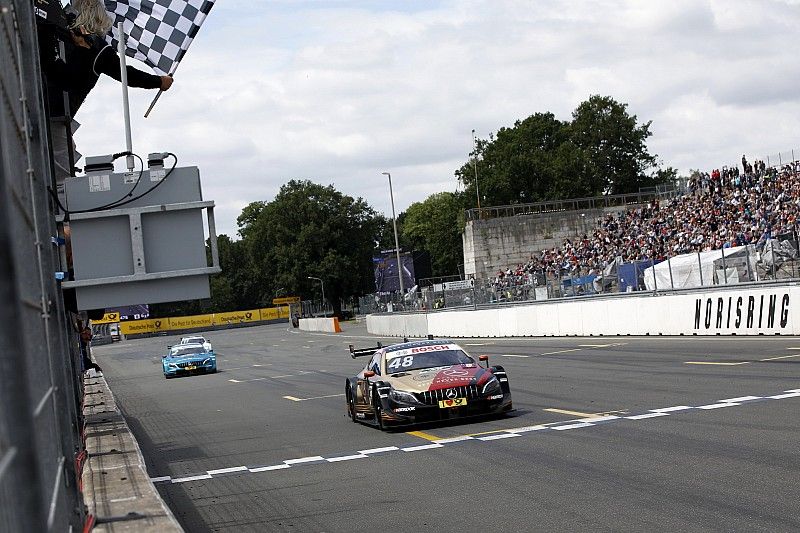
pixel 455 402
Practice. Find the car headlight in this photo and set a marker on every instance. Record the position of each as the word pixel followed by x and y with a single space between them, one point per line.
pixel 492 387
pixel 172 366
pixel 209 360
pixel 402 396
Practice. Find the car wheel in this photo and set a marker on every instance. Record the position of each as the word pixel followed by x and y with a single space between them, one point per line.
pixel 351 405
pixel 376 407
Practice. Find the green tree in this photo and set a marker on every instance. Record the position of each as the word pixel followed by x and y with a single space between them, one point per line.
pixel 518 165
pixel 614 146
pixel 312 230
pixel 434 225
pixel 601 150
pixel 237 286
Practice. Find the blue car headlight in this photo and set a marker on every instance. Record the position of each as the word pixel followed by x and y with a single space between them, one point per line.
pixel 172 366
pixel 210 360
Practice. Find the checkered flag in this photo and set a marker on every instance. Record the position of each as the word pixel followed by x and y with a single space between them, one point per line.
pixel 159 31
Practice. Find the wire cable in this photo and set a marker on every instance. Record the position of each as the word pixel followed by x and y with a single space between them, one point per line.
pixel 128 198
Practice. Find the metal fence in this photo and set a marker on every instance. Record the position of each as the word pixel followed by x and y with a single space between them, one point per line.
pixel 40 379
pixel 775 261
pixel 782 158
pixel 573 204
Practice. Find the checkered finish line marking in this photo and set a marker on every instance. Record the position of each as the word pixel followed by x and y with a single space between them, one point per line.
pixel 500 434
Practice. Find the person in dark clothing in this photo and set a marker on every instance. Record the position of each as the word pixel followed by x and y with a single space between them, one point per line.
pixel 86 56
pixel 86 359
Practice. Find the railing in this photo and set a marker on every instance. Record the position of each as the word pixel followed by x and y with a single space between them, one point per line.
pixel 774 262
pixel 782 158
pixel 573 204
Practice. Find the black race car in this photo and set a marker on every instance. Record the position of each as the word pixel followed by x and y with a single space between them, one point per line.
pixel 424 381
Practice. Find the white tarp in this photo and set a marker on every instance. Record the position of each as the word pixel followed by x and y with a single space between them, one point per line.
pixel 703 269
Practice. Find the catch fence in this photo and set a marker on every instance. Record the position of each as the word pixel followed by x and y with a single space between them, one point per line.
pixel 572 204
pixel 776 260
pixel 41 446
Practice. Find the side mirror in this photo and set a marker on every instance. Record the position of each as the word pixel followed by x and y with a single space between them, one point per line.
pixel 169 346
pixel 368 374
pixel 484 359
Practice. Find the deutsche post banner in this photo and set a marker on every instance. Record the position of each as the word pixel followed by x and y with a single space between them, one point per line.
pixel 237 317
pixel 190 322
pixel 108 318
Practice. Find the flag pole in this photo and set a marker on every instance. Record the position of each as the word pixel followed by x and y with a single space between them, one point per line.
pixel 123 72
pixel 153 103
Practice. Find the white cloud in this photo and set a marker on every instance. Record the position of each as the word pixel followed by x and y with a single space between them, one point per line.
pixel 339 92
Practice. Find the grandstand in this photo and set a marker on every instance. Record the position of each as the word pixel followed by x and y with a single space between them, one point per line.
pixel 720 209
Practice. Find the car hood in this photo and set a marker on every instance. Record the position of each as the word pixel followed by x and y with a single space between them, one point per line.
pixel 439 378
pixel 187 358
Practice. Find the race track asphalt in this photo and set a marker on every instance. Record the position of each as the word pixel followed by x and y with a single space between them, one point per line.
pixel 609 434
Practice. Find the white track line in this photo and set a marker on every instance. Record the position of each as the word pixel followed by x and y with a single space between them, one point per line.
pixel 500 434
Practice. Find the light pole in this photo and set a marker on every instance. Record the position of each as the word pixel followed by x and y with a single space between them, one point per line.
pixel 396 242
pixel 322 284
pixel 475 166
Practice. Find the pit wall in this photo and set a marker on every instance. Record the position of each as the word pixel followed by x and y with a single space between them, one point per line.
pixel 328 325
pixel 754 310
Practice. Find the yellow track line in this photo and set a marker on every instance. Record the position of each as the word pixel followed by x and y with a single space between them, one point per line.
pixel 423 435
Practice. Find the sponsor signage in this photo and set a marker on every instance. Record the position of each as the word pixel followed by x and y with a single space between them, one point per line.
pixel 237 317
pixel 421 349
pixel 742 311
pixel 274 313
pixel 189 322
pixel 458 285
pixel 133 327
pixel 108 318
pixel 286 300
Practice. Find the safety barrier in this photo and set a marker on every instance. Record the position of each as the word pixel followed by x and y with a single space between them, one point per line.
pixel 740 310
pixel 180 323
pixel 329 325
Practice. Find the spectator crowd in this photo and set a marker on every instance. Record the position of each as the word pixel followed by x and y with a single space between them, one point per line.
pixel 720 209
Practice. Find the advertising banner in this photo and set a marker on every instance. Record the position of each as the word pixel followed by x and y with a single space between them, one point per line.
pixel 108 318
pixel 189 322
pixel 274 313
pixel 237 317
pixel 132 327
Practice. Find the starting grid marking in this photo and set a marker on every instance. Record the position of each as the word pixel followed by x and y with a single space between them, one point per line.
pixel 498 435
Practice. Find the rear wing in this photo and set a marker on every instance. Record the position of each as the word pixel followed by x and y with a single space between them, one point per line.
pixel 362 352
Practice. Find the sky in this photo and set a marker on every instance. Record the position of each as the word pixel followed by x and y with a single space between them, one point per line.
pixel 338 92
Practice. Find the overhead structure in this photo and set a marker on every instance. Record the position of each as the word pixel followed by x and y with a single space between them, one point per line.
pixel 139 237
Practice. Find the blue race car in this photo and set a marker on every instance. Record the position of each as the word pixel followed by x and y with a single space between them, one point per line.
pixel 185 359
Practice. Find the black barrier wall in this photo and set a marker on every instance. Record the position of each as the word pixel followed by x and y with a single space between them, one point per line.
pixel 40 380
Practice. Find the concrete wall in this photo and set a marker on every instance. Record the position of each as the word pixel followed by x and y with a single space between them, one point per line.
pixel 329 325
pixel 738 310
pixel 494 244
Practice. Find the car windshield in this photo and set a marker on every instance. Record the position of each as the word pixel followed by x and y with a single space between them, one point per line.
pixel 189 350
pixel 193 340
pixel 426 357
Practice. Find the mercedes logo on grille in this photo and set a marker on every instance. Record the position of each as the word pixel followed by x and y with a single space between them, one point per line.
pixel 451 394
